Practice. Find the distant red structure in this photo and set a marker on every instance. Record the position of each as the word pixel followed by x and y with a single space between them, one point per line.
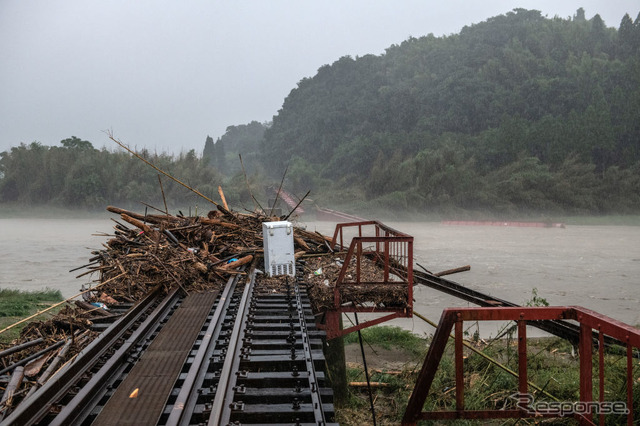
pixel 504 223
pixel 329 215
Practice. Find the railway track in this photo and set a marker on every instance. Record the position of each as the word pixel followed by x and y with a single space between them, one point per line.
pixel 246 354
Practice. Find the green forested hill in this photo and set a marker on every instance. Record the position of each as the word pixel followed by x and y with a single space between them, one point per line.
pixel 518 112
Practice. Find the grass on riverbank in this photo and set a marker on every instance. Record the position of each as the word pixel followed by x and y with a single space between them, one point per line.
pixel 553 365
pixel 390 338
pixel 17 304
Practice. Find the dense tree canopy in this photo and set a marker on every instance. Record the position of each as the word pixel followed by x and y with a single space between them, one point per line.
pixel 503 115
pixel 76 174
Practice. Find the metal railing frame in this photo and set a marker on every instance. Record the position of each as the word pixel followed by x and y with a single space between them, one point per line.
pixel 392 250
pixel 590 322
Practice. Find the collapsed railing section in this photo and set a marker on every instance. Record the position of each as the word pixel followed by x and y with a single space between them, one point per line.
pixel 387 288
pixel 591 324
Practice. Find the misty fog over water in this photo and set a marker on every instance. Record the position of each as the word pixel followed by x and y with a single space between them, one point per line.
pixel 597 267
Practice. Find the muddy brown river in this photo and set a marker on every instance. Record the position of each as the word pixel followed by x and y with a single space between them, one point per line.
pixel 597 267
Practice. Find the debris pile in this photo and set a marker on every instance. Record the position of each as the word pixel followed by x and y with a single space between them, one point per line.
pixel 193 253
pixel 321 273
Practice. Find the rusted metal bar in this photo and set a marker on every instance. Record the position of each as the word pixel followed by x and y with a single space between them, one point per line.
pixel 601 372
pixel 609 326
pixel 630 383
pixel 428 371
pixel 586 366
pixel 459 366
pixel 334 331
pixel 522 357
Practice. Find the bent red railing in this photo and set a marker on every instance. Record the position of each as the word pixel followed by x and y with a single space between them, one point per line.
pixel 392 251
pixel 590 323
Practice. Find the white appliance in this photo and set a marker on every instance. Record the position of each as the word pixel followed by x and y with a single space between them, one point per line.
pixel 278 248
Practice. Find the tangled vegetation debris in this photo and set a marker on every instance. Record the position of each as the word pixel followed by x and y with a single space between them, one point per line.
pixel 147 251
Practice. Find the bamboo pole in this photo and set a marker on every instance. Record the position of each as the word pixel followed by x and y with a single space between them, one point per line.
pixel 10 390
pixel 164 199
pixel 222 197
pixel 275 201
pixel 372 384
pixel 248 186
pixel 18 348
pixel 195 191
pixel 297 205
pixel 52 368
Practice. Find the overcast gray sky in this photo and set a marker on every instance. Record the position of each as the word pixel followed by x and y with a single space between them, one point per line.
pixel 165 74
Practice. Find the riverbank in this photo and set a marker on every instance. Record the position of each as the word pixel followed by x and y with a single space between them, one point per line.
pixel 553 365
pixel 16 305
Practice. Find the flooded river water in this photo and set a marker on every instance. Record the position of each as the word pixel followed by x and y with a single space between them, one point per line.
pixel 597 267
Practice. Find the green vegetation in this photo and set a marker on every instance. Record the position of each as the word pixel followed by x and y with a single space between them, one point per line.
pixel 517 115
pixel 16 304
pixel 552 365
pixel 390 338
pixel 78 175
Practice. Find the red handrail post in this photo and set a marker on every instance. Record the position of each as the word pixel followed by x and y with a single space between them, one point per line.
pixel 586 367
pixel 459 366
pixel 522 357
pixel 629 382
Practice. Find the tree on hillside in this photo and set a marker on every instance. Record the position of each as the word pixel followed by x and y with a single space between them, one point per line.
pixel 208 151
pixel 76 143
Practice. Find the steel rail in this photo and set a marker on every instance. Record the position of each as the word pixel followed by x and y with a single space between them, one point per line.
pixel 80 403
pixel 220 411
pixel 256 345
pixel 316 401
pixel 556 327
pixel 186 399
pixel 560 328
pixel 34 409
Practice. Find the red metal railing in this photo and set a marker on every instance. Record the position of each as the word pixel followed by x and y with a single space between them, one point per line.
pixel 392 251
pixel 590 323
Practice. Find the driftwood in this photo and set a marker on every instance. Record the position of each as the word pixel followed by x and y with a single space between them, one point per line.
pixel 12 387
pixel 31 357
pixel 18 348
pixel 52 367
pixel 238 263
pixel 453 271
pixel 93 309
